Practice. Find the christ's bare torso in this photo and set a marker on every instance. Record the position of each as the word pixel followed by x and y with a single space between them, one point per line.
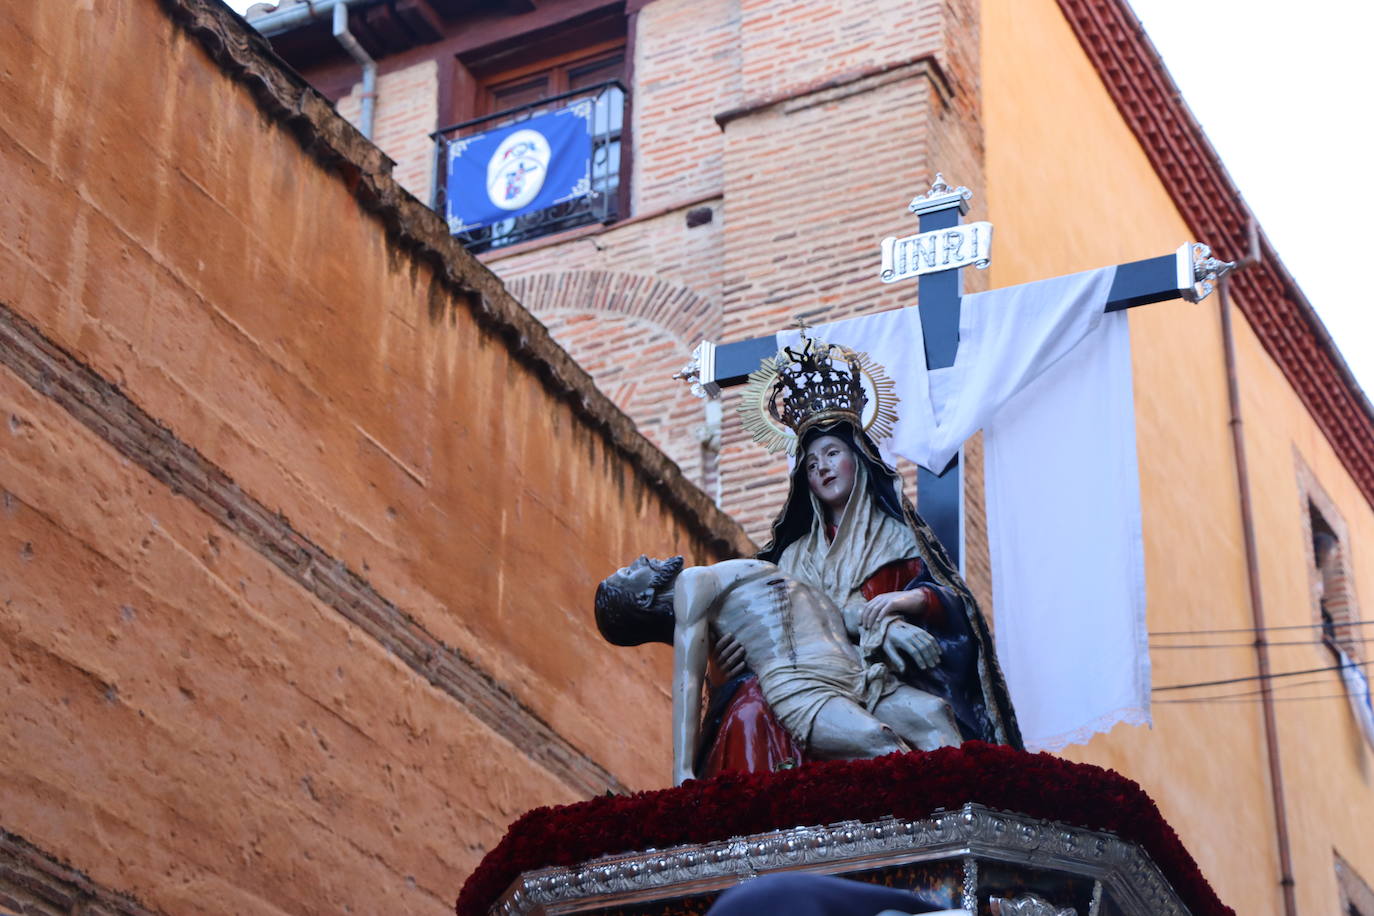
pixel 778 620
pixel 795 641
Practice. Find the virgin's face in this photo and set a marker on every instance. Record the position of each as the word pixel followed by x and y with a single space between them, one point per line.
pixel 830 466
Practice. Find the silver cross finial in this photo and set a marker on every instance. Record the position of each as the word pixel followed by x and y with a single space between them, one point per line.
pixel 940 191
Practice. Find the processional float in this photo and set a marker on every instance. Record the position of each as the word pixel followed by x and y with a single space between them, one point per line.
pixel 982 828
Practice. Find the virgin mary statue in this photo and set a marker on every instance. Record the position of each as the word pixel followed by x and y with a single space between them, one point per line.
pixel 847 528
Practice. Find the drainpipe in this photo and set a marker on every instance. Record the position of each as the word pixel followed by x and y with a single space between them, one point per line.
pixel 350 44
pixel 1271 740
pixel 285 18
pixel 281 21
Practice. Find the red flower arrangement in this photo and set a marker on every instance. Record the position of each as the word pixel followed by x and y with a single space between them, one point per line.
pixel 906 786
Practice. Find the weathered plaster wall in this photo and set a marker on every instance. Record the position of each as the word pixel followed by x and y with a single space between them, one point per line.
pixel 302 514
pixel 1070 189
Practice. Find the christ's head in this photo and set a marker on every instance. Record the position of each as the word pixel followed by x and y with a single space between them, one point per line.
pixel 634 605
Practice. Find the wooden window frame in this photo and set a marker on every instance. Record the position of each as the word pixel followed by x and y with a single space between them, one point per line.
pixel 559 66
pixel 462 87
pixel 466 85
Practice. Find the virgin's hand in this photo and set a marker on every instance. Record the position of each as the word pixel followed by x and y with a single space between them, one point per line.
pixel 906 640
pixel 906 604
pixel 730 657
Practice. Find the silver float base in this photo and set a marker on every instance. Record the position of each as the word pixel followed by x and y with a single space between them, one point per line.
pixel 977 859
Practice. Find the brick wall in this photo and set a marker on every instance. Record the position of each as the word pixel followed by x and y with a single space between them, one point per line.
pixel 806 127
pixel 630 304
pixel 802 204
pixel 686 71
pixel 407 110
pixel 829 120
pixel 620 324
pixel 807 208
pixel 800 43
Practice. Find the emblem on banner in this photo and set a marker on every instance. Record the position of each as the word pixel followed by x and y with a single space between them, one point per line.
pixel 519 168
pixel 516 171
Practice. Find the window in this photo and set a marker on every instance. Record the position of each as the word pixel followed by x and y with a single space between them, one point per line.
pixel 531 77
pixel 1331 587
pixel 1333 606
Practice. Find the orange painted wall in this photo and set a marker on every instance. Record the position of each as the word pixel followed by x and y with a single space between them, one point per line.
pixel 1070 189
pixel 184 721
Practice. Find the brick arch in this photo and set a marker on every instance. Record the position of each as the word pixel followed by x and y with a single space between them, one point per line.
pixel 632 361
pixel 678 309
pixel 631 332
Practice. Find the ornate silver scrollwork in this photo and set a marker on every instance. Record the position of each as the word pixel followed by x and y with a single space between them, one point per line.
pixel 1027 905
pixel 1204 273
pixel 691 374
pixel 700 371
pixel 970 890
pixel 1095 905
pixel 939 196
pixel 963 837
pixel 940 188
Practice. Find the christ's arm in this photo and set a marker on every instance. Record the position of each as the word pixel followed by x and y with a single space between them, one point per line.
pixel 693 593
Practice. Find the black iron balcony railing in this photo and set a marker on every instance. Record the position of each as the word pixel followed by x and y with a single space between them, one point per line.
pixel 602 202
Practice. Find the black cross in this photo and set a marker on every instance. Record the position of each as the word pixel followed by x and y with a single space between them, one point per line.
pixel 1188 273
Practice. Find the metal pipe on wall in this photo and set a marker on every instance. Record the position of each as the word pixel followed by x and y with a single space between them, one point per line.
pixel 280 21
pixel 286 18
pixel 350 44
pixel 1290 905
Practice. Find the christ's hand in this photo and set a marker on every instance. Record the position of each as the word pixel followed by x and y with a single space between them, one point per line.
pixel 909 640
pixel 730 657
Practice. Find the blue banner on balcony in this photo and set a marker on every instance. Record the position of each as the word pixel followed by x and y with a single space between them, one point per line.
pixel 520 168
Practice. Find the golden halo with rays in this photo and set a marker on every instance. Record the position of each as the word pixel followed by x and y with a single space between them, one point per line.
pixel 879 416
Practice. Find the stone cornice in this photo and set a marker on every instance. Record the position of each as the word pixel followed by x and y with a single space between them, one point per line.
pixel 1209 202
pixel 33 880
pixel 285 97
pixel 846 84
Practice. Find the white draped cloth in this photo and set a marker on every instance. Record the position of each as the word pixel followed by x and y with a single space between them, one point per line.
pixel 1357 689
pixel 1046 374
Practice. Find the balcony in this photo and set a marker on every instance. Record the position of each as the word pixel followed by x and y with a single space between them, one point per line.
pixel 593 196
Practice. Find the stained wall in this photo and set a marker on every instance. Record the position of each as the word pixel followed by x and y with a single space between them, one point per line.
pixel 302 512
pixel 1069 189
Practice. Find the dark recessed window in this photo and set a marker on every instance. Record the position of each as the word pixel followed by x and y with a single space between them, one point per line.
pixel 1335 601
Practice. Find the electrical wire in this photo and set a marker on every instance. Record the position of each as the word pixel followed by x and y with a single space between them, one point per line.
pixel 1344 641
pixel 1252 694
pixel 1244 700
pixel 1340 625
pixel 1254 677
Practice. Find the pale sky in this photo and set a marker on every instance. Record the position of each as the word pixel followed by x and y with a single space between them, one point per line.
pixel 1284 93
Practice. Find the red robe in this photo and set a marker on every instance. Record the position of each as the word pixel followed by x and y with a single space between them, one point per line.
pixel 750 739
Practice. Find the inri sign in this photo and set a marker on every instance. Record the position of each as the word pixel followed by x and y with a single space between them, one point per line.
pixel 943 249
